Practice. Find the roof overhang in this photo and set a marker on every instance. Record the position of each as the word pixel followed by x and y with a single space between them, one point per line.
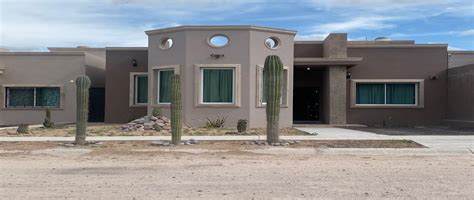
pixel 349 61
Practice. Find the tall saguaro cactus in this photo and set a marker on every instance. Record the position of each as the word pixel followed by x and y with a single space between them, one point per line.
pixel 273 73
pixel 82 83
pixel 176 109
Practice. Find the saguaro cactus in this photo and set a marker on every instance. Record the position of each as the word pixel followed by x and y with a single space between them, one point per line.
pixel 273 72
pixel 176 109
pixel 82 83
pixel 48 123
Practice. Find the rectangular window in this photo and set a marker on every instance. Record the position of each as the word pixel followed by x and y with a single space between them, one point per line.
pixel 386 93
pixel 217 85
pixel 164 81
pixel 141 89
pixel 283 87
pixel 33 97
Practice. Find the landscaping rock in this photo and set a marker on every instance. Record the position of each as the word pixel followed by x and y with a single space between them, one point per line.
pixel 149 123
pixel 157 143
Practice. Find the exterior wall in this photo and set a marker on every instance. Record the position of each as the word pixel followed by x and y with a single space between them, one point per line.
pixel 246 49
pixel 461 96
pixel 258 53
pixel 460 58
pixel 335 46
pixel 173 57
pixel 95 63
pixel 402 62
pixel 308 49
pixel 117 90
pixel 198 52
pixel 40 69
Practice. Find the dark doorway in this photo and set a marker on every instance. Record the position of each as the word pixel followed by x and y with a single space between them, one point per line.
pixel 307 94
pixel 306 104
pixel 96 104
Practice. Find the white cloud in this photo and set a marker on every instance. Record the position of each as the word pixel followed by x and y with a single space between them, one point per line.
pixel 469 32
pixel 451 48
pixel 359 23
pixel 311 37
pixel 445 6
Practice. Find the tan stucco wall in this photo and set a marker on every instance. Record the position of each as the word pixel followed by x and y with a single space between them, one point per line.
pixel 414 62
pixel 41 69
pixel 258 53
pixel 246 49
pixel 117 90
pixel 461 95
pixel 95 63
pixel 460 58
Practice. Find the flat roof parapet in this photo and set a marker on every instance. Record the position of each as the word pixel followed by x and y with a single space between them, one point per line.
pixel 225 27
pixel 56 53
pixel 126 48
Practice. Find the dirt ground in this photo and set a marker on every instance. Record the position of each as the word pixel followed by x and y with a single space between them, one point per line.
pixel 421 130
pixel 102 129
pixel 128 170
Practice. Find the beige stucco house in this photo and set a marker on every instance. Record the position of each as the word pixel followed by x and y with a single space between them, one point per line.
pixel 333 81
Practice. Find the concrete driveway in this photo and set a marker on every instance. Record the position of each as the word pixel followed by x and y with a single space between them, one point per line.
pixel 436 142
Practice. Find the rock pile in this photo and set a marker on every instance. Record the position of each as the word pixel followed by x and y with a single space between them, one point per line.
pixel 148 123
pixel 260 143
pixel 168 143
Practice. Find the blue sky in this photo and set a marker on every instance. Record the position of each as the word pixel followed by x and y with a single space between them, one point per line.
pixel 27 25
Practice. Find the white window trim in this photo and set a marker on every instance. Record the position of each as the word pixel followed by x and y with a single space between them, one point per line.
pixel 199 85
pixel 133 88
pixel 153 93
pixel 158 86
pixel 259 90
pixel 4 101
pixel 419 93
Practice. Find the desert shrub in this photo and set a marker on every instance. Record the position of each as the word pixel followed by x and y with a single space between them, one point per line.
pixel 22 129
pixel 217 123
pixel 156 112
pixel 242 125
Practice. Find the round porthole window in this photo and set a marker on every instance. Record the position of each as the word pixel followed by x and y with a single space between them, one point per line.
pixel 272 42
pixel 218 40
pixel 166 43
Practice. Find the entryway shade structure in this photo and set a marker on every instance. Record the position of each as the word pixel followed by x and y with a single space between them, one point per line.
pixel 333 92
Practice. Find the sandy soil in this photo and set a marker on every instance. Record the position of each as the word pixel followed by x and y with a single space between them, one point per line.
pixel 225 172
pixel 101 129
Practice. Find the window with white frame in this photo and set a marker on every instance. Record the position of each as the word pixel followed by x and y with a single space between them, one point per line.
pixel 163 87
pixel 217 85
pixel 261 86
pixel 393 94
pixel 32 97
pixel 140 94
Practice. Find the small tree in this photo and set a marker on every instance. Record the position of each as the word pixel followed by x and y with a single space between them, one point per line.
pixel 82 83
pixel 273 73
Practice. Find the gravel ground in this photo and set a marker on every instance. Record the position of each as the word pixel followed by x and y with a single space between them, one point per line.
pixel 416 130
pixel 226 172
pixel 103 129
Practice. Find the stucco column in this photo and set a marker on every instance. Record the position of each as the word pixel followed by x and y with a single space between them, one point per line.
pixel 336 99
